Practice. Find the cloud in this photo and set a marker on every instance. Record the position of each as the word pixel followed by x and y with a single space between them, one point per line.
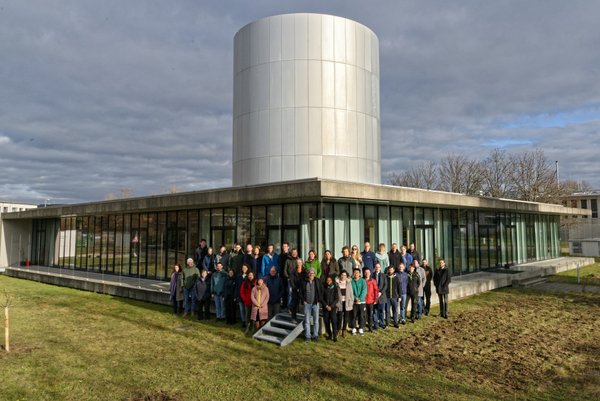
pixel 99 96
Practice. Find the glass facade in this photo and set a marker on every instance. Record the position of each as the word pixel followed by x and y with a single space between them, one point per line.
pixel 147 244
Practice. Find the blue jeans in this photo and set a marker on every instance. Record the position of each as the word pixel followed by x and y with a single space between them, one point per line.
pixel 220 306
pixel 392 304
pixel 311 312
pixel 187 294
pixel 289 296
pixel 379 314
pixel 403 307
pixel 420 307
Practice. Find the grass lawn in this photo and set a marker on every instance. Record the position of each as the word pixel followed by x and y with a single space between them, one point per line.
pixel 508 344
pixel 589 275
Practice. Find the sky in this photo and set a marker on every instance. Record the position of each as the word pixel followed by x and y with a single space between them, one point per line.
pixel 96 96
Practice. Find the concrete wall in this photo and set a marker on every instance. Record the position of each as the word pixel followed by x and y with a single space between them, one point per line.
pixel 585 247
pixel 306 100
pixel 15 242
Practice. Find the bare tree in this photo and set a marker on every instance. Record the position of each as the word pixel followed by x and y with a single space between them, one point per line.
pixel 6 303
pixel 569 187
pixel 460 174
pixel 423 175
pixel 496 174
pixel 173 189
pixel 534 178
pixel 125 192
pixel 110 196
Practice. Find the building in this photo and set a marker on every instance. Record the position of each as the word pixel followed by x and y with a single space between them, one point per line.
pixel 306 169
pixel 15 247
pixel 579 226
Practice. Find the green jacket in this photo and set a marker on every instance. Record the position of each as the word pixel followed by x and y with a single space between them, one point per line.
pixel 190 276
pixel 359 289
pixel 316 266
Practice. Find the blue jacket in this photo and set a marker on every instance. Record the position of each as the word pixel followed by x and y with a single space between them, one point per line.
pixel 275 287
pixel 403 282
pixel 369 260
pixel 267 263
pixel 407 260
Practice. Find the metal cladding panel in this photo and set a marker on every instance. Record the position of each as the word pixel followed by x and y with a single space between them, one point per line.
pixel 306 100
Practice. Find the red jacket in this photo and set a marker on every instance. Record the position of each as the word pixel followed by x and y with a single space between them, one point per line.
pixel 246 291
pixel 372 291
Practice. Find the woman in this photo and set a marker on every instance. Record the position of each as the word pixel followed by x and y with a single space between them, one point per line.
pixel 312 262
pixel 208 263
pixel 246 295
pixel 239 280
pixel 357 257
pixel 371 299
pixel 329 266
pixel 345 301
pixel 203 295
pixel 230 297
pixel 257 261
pixel 330 302
pixel 297 277
pixel 260 304
pixel 382 257
pixel 176 289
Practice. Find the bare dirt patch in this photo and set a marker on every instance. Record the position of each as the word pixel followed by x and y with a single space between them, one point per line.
pixel 157 395
pixel 521 342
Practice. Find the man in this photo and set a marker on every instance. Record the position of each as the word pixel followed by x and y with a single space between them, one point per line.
pixel 412 290
pixel 311 294
pixel 296 278
pixel 392 288
pixel 422 278
pixel 346 262
pixel 269 260
pixel 381 305
pixel 222 257
pixel 291 266
pixel 441 280
pixel 201 252
pixel 282 262
pixel 394 256
pixel 403 280
pixel 359 289
pixel 190 276
pixel 427 286
pixel 236 259
pixel 275 287
pixel 217 288
pixel 249 259
pixel 330 300
pixel 406 258
pixel 368 257
pixel 413 252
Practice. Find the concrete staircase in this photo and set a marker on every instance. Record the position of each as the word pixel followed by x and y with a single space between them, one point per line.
pixel 281 330
pixel 528 281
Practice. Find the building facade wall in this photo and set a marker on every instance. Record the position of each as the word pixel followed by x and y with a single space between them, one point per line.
pixel 306 100
pixel 14 240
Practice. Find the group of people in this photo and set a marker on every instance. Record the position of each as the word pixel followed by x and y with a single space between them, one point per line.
pixel 359 291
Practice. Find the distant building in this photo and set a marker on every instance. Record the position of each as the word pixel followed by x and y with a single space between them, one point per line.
pixel 581 226
pixel 11 246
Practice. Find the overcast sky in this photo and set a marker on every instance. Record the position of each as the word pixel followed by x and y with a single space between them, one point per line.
pixel 100 95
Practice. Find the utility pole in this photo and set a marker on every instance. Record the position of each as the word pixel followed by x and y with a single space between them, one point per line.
pixel 557 178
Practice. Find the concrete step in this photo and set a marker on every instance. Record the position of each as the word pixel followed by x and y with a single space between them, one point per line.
pixel 280 330
pixel 528 282
pixel 268 338
pixel 277 331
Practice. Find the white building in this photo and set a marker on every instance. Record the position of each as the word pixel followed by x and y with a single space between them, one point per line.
pixel 10 251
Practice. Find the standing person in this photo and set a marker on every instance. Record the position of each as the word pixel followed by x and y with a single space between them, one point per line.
pixel 422 278
pixel 359 289
pixel 289 269
pixel 217 288
pixel 381 304
pixel 312 262
pixel 260 299
pixel 208 262
pixel 358 262
pixel 240 278
pixel 246 293
pixel 329 266
pixel 190 276
pixel 297 277
pixel 236 259
pixel 403 279
pixel 441 280
pixel 330 302
pixel 176 289
pixel 282 259
pixel 269 259
pixel 275 292
pixel 382 257
pixel 412 290
pixel 249 259
pixel 368 257
pixel 392 288
pixel 371 298
pixel 413 252
pixel 311 295
pixel 200 252
pixel 346 262
pixel 406 258
pixel 345 301
pixel 203 295
pixel 230 297
pixel 394 256
pixel 427 287
pixel 222 257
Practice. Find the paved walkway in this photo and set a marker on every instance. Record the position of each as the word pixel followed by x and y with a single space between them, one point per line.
pixel 566 287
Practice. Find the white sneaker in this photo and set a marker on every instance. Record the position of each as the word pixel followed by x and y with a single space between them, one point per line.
pixel 361 332
pixel 354 331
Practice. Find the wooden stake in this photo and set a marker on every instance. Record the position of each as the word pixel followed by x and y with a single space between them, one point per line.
pixel 6 340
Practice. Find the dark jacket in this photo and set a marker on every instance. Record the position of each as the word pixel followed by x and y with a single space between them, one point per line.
pixel 296 279
pixel 231 287
pixel 176 287
pixel 208 263
pixel 235 262
pixel 395 258
pixel 203 289
pixel 441 280
pixel 414 281
pixel 415 255
pixel 330 296
pixel 382 282
pixel 290 267
pixel 199 255
pixel 275 286
pixel 253 263
pixel 217 282
pixel 403 277
pixel 392 286
pixel 222 258
pixel 318 291
pixel 334 269
pixel 348 264
pixel 281 262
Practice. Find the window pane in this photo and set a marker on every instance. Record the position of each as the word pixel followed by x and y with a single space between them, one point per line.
pixel 291 214
pixel 259 227
pixel 244 232
pixel 216 217
pixel 274 215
